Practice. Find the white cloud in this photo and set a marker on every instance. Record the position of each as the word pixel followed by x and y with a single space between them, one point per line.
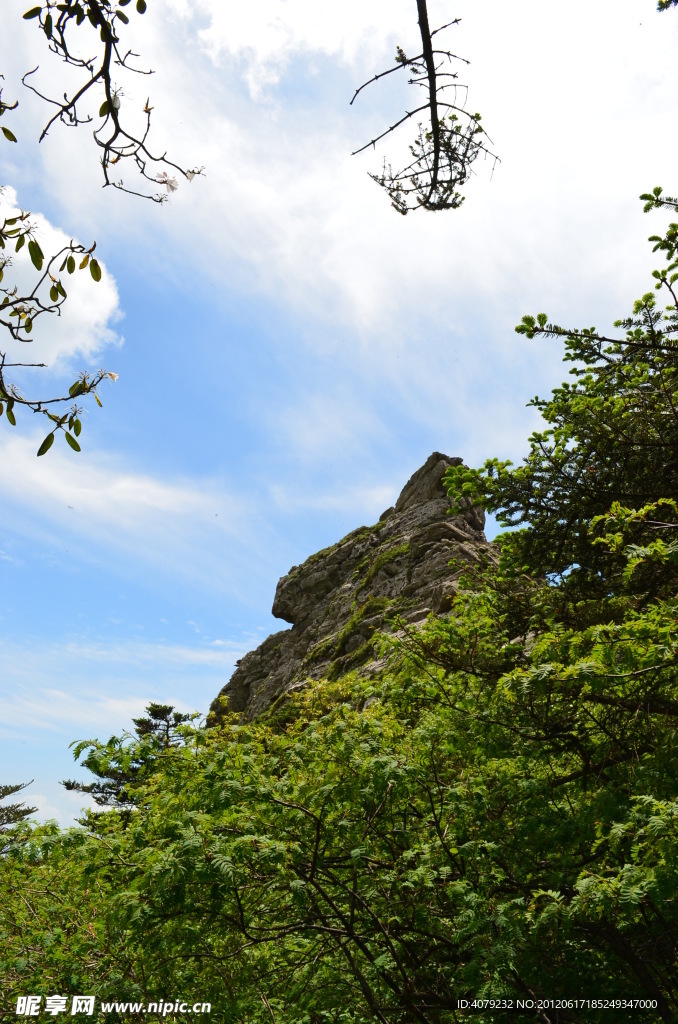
pixel 371 501
pixel 58 805
pixel 80 687
pixel 270 34
pixel 184 529
pixel 425 304
pixel 285 211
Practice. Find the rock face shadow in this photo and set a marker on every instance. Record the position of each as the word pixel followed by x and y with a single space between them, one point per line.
pixel 343 597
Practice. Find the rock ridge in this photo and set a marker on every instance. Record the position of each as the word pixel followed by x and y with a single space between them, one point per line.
pixel 344 595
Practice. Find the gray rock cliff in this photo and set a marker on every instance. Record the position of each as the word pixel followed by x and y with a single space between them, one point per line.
pixel 341 597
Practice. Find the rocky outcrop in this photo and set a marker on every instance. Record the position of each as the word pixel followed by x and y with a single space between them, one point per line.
pixel 341 597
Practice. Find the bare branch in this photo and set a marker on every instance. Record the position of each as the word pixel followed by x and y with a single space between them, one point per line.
pixel 449 143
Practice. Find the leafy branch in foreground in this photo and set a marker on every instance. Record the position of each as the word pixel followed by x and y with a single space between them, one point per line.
pixel 446 146
pixel 114 137
pixel 20 310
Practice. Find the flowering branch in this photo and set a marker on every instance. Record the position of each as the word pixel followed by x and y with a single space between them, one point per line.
pixel 113 136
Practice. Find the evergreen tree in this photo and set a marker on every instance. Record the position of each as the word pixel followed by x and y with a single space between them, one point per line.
pixel 10 814
pixel 118 771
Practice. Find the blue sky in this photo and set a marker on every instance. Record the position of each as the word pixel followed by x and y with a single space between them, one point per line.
pixel 289 349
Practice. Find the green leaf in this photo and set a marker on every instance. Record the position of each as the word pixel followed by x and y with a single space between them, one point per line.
pixel 141 6
pixel 70 265
pixel 98 400
pixel 46 444
pixel 54 293
pixel 77 427
pixel 10 413
pixel 2 408
pixel 103 109
pixel 10 136
pixel 36 254
pixel 33 13
pixel 84 261
pixel 28 326
pixel 60 289
pixel 123 17
pixel 95 270
pixel 20 242
pixel 71 440
pixel 48 26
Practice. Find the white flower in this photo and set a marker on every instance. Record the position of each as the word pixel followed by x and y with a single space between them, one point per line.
pixel 171 184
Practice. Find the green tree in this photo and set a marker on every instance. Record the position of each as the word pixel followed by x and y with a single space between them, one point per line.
pixel 118 771
pixel 10 814
pixel 611 441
